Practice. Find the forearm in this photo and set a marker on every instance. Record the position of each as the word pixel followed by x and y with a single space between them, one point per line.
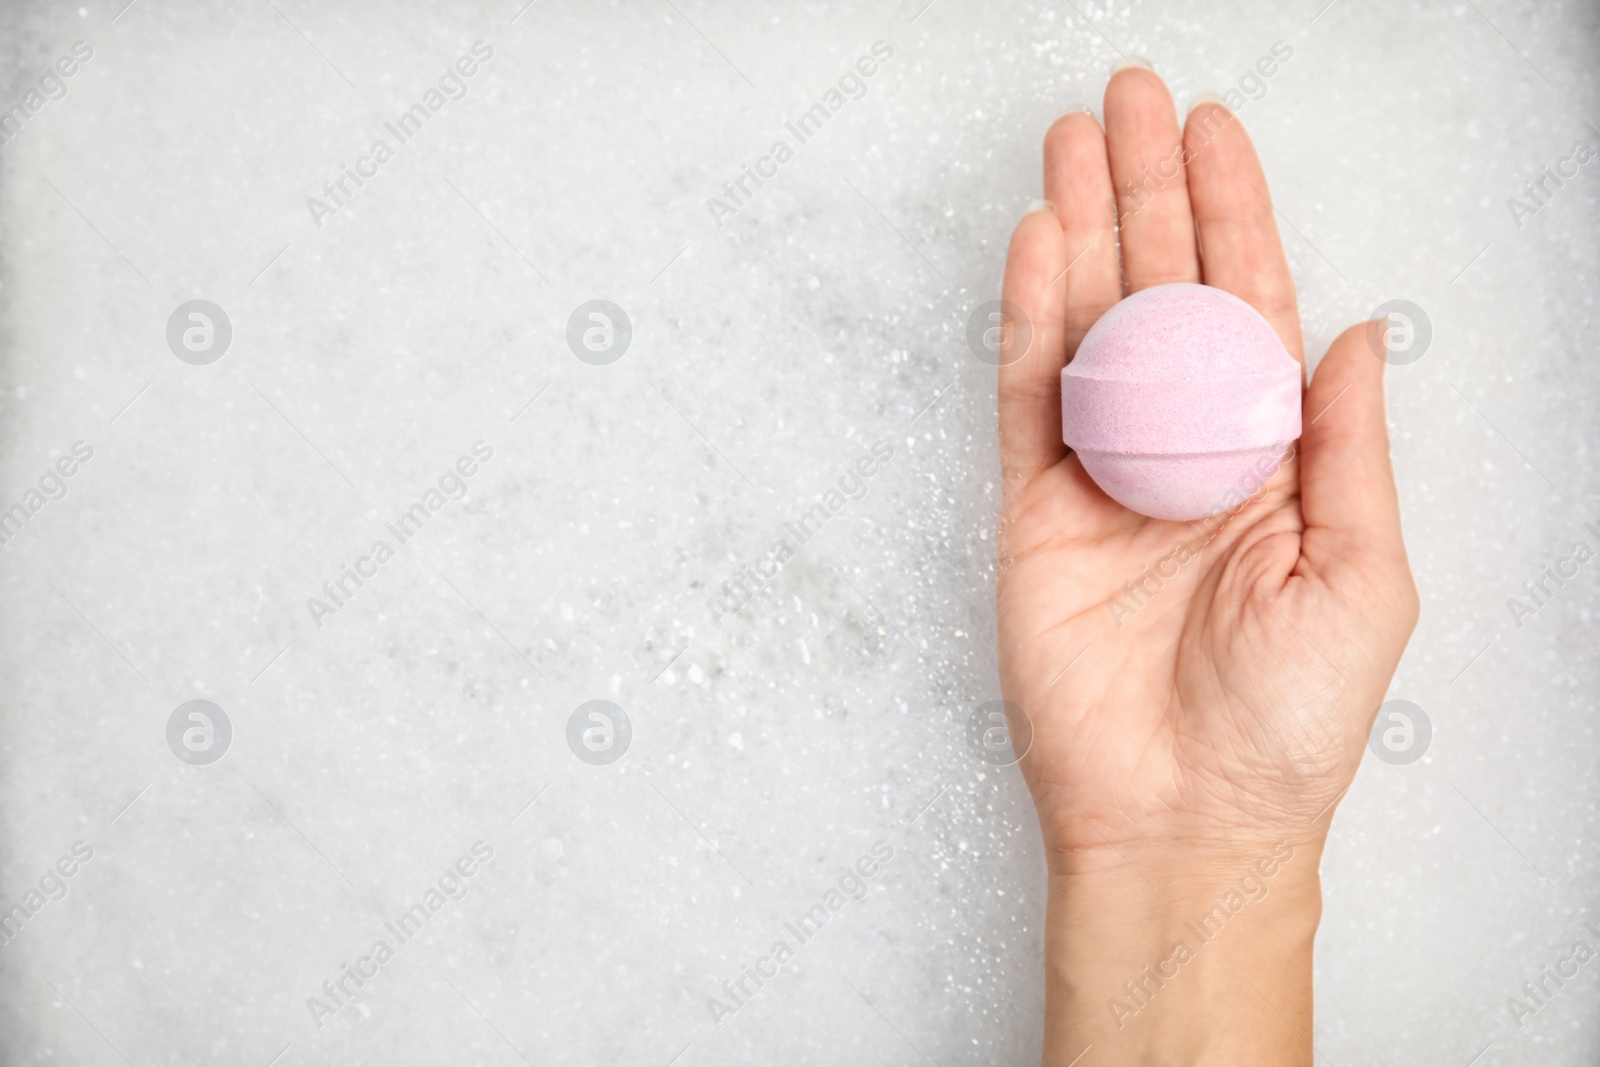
pixel 1180 958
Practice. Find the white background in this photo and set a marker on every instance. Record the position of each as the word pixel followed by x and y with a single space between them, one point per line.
pixel 772 751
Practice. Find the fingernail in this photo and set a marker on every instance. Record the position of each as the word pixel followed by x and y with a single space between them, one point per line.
pixel 1200 99
pixel 1040 205
pixel 1124 62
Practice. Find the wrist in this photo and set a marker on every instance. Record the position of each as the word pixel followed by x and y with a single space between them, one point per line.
pixel 1187 869
pixel 1189 954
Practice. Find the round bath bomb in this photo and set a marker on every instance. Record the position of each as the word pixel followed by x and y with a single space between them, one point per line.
pixel 1181 401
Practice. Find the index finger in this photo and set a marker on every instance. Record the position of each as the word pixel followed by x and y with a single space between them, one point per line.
pixel 1240 250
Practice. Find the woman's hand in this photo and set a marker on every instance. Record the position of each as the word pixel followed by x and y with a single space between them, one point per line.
pixel 1197 692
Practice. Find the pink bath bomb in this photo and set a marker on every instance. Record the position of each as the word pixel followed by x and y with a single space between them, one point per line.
pixel 1181 401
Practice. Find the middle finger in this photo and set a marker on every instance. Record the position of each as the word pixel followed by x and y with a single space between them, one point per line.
pixel 1146 153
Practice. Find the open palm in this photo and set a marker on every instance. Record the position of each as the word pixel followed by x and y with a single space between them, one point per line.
pixel 1185 682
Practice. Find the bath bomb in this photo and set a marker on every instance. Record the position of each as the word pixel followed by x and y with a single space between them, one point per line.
pixel 1181 401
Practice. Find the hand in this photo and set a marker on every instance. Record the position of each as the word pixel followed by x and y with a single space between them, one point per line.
pixel 1180 731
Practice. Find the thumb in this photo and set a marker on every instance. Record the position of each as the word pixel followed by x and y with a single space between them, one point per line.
pixel 1347 491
